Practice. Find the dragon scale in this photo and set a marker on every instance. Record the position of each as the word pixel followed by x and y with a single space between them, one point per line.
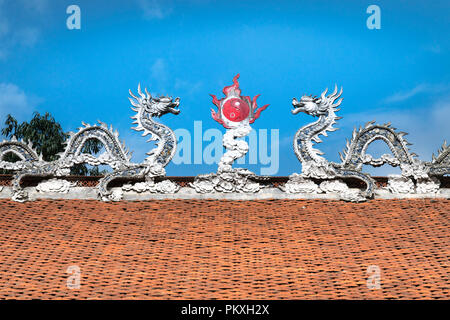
pixel 354 155
pixel 24 151
pixel 166 140
pixel 305 136
pixel 107 137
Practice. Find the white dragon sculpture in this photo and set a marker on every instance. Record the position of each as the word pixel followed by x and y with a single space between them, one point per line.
pixel 354 156
pixel 146 107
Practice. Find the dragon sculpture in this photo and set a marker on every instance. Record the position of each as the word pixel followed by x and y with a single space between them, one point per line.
pixel 440 165
pixel 354 156
pixel 116 156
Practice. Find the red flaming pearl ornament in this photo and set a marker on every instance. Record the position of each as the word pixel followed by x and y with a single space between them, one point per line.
pixel 235 109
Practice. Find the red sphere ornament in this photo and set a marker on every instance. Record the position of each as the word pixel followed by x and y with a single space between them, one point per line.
pixel 235 109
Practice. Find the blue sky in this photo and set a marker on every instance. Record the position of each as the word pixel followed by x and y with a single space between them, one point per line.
pixel 189 49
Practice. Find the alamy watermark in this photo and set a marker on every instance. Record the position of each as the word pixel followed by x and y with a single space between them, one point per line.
pixel 74 20
pixel 374 20
pixel 206 148
pixel 374 279
pixel 73 281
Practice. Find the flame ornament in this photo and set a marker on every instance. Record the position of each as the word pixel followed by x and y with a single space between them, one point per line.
pixel 235 110
pixel 235 113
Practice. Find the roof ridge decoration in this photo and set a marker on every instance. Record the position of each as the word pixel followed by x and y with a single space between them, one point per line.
pixel 354 156
pixel 236 113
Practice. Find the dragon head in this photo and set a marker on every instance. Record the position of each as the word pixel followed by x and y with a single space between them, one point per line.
pixel 317 106
pixel 163 105
pixel 154 106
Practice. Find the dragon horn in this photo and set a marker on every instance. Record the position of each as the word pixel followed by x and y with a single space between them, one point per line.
pixel 140 91
pixel 149 96
pixel 324 94
pixel 335 97
pixel 131 93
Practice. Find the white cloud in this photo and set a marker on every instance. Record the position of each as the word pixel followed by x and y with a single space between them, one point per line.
pixel 159 70
pixel 155 9
pixel 286 141
pixel 35 5
pixel 15 101
pixel 427 125
pixel 435 48
pixel 4 27
pixel 19 33
pixel 188 87
pixel 26 37
pixel 421 88
pixel 164 83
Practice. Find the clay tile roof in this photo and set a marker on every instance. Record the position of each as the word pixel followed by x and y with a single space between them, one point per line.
pixel 194 249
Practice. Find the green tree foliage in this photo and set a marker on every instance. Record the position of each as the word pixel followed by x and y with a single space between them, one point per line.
pixel 48 139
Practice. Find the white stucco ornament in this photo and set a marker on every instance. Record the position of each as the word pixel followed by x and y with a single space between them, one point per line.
pixel 115 195
pixel 165 186
pixel 428 185
pixel 400 184
pixel 344 192
pixel 55 186
pixel 298 184
pixel 333 186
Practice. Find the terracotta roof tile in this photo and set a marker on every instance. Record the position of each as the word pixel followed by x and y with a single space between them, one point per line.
pixel 193 249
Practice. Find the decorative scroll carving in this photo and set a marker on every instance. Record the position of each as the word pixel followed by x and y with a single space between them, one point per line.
pixel 339 187
pixel 235 180
pixel 354 155
pixel 163 187
pixel 428 185
pixel 55 185
pixel 399 184
pixel 299 184
pixel 235 113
